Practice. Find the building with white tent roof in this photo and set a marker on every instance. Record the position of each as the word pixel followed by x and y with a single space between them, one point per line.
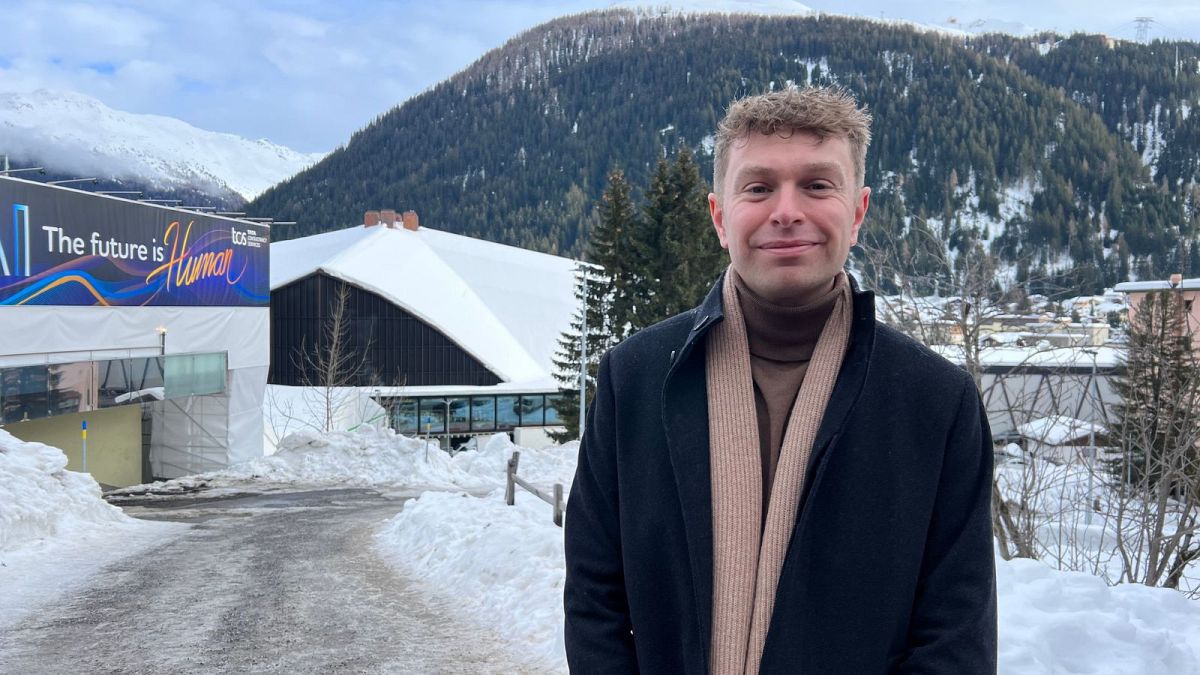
pixel 454 335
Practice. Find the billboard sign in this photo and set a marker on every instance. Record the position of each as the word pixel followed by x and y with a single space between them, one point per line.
pixel 66 247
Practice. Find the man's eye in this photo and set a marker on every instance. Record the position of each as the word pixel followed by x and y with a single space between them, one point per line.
pixel 757 189
pixel 819 187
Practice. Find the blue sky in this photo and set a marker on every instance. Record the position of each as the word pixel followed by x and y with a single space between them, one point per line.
pixel 308 73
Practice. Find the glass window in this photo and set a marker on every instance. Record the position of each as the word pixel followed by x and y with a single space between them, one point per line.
pixel 25 393
pixel 209 373
pixel 532 411
pixel 460 414
pixel 553 405
pixel 404 415
pixel 180 370
pixel 483 413
pixel 508 414
pixel 112 381
pixel 433 416
pixel 70 385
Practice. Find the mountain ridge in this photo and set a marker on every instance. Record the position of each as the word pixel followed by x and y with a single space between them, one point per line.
pixel 72 133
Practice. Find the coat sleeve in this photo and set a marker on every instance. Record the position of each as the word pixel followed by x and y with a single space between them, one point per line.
pixel 598 632
pixel 953 627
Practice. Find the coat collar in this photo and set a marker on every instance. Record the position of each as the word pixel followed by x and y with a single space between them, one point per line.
pixel 685 420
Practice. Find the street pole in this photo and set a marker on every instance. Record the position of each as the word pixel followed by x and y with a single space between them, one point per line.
pixel 1087 516
pixel 583 358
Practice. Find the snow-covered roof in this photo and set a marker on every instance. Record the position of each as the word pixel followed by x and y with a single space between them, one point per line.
pixel 1058 429
pixel 1103 358
pixel 505 306
pixel 1143 286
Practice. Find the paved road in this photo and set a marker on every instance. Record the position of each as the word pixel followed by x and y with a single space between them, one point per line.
pixel 272 583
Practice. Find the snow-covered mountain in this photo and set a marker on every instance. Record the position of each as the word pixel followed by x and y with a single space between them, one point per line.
pixel 68 132
pixel 768 7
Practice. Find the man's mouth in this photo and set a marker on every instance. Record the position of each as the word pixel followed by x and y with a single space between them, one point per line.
pixel 788 247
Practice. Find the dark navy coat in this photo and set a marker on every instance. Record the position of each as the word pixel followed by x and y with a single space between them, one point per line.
pixel 890 568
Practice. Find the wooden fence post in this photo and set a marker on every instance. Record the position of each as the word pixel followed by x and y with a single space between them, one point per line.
pixel 510 487
pixel 558 508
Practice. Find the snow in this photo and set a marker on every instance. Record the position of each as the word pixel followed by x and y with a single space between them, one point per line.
pixel 500 568
pixel 372 456
pixel 504 305
pixel 73 133
pixel 765 7
pixel 503 568
pixel 1071 622
pixel 55 530
pixel 1058 429
pixel 501 565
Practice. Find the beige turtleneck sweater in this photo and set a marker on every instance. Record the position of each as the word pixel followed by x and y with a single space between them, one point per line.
pixel 782 340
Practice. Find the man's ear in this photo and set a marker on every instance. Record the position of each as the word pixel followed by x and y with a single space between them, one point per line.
pixel 718 218
pixel 860 212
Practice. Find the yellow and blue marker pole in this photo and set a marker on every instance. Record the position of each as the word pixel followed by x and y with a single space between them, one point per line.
pixel 84 432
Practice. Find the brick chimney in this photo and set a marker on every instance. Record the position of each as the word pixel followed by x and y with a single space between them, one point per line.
pixel 370 219
pixel 411 221
pixel 387 218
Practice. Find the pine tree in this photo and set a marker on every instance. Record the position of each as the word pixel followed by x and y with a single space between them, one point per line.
pixel 609 303
pixel 678 256
pixel 569 356
pixel 690 241
pixel 610 247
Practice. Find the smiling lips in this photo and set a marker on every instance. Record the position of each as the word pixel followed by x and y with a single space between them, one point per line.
pixel 788 248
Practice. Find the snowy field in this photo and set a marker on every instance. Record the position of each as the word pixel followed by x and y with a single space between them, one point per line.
pixel 55 530
pixel 501 568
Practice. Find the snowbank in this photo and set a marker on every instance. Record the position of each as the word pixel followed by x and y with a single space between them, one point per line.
pixel 1071 622
pixel 500 566
pixel 503 568
pixel 55 529
pixel 39 498
pixel 372 456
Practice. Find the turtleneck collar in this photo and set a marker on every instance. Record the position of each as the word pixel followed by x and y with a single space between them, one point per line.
pixel 780 332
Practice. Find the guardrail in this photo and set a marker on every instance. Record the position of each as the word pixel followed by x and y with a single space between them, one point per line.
pixel 513 480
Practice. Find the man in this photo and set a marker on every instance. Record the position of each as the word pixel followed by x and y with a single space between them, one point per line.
pixel 773 482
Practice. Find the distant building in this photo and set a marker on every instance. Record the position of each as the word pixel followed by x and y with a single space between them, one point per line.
pixel 1136 291
pixel 454 336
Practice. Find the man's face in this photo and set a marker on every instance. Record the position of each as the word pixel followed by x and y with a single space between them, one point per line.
pixel 788 213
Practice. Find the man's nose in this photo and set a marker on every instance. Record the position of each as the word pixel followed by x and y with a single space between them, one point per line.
pixel 788 207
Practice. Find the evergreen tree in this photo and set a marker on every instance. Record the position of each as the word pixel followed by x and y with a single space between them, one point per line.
pixel 609 303
pixel 678 255
pixel 610 247
pixel 695 257
pixel 569 357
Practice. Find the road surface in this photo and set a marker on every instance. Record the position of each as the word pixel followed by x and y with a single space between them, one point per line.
pixel 263 583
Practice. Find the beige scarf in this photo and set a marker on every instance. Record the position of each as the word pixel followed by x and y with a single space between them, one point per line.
pixel 745 569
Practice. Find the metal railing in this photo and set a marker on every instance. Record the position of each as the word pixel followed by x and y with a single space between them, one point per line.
pixel 554 499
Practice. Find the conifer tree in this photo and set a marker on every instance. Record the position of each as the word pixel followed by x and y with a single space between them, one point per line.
pixel 568 358
pixel 608 301
pixel 678 255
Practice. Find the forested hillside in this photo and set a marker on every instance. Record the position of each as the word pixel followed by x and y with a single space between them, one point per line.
pixel 1072 160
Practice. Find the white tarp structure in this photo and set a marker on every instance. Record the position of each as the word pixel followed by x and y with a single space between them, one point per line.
pixel 198 433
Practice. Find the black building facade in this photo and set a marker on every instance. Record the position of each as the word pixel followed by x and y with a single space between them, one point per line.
pixel 390 347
